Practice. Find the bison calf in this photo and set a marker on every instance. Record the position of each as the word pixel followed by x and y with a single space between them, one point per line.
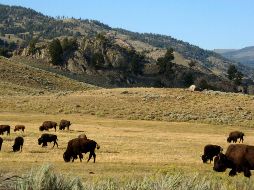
pixel 18 144
pixel 4 128
pixel 64 124
pixel 78 146
pixel 1 142
pixel 233 136
pixel 45 138
pixel 46 125
pixel 210 151
pixel 238 157
pixel 19 127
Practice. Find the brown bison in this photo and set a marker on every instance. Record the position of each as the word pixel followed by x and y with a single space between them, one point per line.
pixel 239 157
pixel 48 125
pixel 78 146
pixel 233 136
pixel 4 128
pixel 210 151
pixel 18 144
pixel 45 138
pixel 1 142
pixel 64 124
pixel 19 127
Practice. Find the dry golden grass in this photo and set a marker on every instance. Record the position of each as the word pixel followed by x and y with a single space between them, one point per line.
pixel 20 79
pixel 128 148
pixel 142 131
pixel 141 104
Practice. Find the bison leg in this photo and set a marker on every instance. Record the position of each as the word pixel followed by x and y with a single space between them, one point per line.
pixel 94 157
pixel 44 144
pixel 80 157
pixel 74 157
pixel 90 156
pixel 232 172
pixel 55 143
pixel 21 148
pixel 246 172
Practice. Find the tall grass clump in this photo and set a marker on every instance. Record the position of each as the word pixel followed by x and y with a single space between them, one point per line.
pixel 178 181
pixel 45 179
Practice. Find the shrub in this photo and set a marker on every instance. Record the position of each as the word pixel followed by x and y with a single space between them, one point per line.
pixel 165 63
pixel 56 52
pixel 44 178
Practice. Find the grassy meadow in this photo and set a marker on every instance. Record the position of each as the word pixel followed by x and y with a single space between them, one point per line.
pixel 140 138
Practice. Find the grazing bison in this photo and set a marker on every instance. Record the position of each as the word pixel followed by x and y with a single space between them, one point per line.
pixel 78 146
pixel 48 125
pixel 18 144
pixel 4 128
pixel 210 151
pixel 1 142
pixel 82 136
pixel 45 138
pixel 19 127
pixel 233 136
pixel 64 124
pixel 238 157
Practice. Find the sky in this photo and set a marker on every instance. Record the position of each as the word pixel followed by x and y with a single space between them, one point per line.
pixel 210 24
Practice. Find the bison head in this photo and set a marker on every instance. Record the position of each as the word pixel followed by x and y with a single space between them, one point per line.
pixel 220 163
pixel 41 128
pixel 15 148
pixel 66 157
pixel 204 158
pixel 229 140
pixel 40 141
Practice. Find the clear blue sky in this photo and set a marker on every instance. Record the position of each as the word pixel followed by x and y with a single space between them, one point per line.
pixel 207 23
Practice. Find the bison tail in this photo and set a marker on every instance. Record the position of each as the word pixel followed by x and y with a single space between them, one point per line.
pixel 97 146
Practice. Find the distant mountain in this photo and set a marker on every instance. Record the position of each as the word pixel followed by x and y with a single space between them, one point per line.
pixel 244 56
pixel 221 51
pixel 114 52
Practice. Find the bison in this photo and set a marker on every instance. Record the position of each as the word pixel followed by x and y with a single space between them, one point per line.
pixel 1 142
pixel 233 136
pixel 64 124
pixel 78 146
pixel 19 127
pixel 210 151
pixel 18 144
pixel 238 157
pixel 45 138
pixel 46 125
pixel 4 128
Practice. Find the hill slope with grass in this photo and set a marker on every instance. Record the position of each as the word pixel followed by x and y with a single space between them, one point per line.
pixel 244 55
pixel 19 26
pixel 18 79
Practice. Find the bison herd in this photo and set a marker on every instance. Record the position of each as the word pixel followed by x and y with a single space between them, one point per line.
pixel 75 147
pixel 238 157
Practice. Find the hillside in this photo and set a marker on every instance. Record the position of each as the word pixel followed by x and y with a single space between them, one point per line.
pixel 19 79
pixel 125 59
pixel 142 104
pixel 244 56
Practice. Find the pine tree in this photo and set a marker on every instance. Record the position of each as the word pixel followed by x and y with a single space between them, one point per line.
pixel 56 52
